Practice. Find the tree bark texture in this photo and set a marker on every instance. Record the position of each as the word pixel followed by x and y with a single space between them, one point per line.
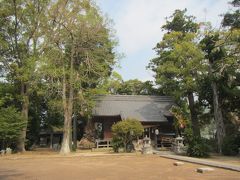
pixel 68 108
pixel 194 119
pixel 67 133
pixel 24 113
pixel 75 131
pixel 218 117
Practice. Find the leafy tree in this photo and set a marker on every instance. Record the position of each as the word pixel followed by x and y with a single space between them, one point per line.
pixel 148 88
pixel 11 125
pixel 229 86
pixel 19 35
pixel 230 81
pixel 221 50
pixel 214 54
pixel 181 22
pixel 11 121
pixel 124 132
pixel 113 83
pixel 179 62
pixel 78 54
pixel 232 19
pixel 177 69
pixel 131 87
pixel 45 114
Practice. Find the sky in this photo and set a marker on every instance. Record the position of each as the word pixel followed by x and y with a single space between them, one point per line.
pixel 138 27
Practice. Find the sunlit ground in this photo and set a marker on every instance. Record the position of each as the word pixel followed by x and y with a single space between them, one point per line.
pixel 98 166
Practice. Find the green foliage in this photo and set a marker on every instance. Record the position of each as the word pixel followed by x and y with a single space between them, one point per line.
pixel 179 21
pixel 78 55
pixel 117 143
pixel 221 50
pixel 231 145
pixel 115 85
pixel 124 132
pixel 180 63
pixel 177 55
pixel 232 19
pixel 197 147
pixel 11 124
pixel 78 58
pixel 131 87
pixel 188 131
pixel 137 87
pixel 20 32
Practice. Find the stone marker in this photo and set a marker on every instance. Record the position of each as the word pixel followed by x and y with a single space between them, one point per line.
pixel 8 151
pixel 147 148
pixel 178 163
pixel 204 169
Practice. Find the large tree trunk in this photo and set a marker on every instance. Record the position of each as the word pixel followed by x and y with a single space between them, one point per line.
pixel 218 117
pixel 25 103
pixel 67 133
pixel 24 112
pixel 75 132
pixel 194 119
pixel 68 109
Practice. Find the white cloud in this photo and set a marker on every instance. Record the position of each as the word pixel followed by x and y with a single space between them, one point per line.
pixel 138 25
pixel 138 21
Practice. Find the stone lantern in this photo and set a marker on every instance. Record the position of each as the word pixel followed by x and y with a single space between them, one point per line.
pixel 147 148
pixel 178 146
pixel 179 141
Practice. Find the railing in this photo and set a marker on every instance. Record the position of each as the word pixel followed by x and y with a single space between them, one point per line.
pixel 166 141
pixel 104 143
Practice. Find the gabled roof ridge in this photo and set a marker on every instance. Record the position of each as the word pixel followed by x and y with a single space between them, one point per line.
pixel 142 107
pixel 125 95
pixel 133 97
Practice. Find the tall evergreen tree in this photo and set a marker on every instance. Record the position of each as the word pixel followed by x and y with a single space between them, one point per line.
pixel 178 64
pixel 222 53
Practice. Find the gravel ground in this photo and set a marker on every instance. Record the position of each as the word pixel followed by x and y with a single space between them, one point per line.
pixel 103 167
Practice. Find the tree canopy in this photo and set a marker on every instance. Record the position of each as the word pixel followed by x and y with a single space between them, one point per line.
pixel 200 69
pixel 55 54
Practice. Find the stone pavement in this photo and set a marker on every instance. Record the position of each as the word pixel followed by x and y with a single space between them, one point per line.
pixel 199 161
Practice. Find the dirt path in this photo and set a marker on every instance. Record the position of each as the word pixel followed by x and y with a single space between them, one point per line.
pixel 122 167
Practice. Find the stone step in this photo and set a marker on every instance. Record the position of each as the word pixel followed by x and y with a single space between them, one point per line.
pixel 178 163
pixel 204 169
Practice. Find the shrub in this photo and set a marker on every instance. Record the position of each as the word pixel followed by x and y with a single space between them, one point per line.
pixel 230 145
pixel 86 143
pixel 212 144
pixel 117 143
pixel 124 132
pixel 197 147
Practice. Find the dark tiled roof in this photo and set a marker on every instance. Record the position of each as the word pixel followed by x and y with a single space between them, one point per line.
pixel 143 108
